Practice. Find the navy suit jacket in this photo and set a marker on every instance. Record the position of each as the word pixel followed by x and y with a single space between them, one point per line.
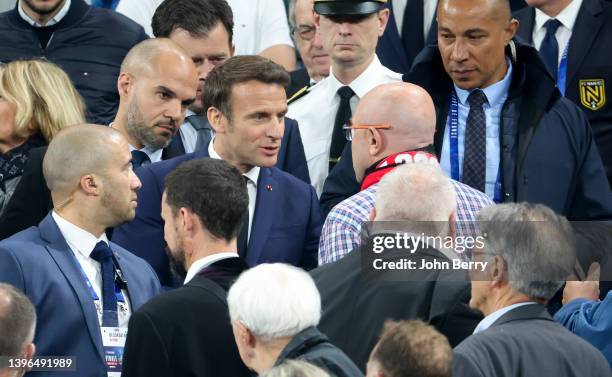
pixel 40 263
pixel 286 225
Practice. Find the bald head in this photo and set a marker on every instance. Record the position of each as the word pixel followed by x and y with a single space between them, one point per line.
pixel 77 151
pixel 493 9
pixel 407 108
pixel 146 56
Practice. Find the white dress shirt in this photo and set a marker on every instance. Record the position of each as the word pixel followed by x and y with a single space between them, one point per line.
pixel 252 176
pixel 57 18
pixel 491 318
pixel 189 135
pixel 201 264
pixel 82 243
pixel 567 17
pixel 316 114
pixel 429 10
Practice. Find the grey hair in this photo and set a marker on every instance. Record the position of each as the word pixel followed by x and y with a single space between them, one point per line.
pixel 17 320
pixel 537 245
pixel 291 11
pixel 275 301
pixel 296 368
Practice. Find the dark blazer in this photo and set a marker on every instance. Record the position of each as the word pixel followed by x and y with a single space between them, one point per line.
pixel 298 79
pixel 589 58
pixel 548 154
pixel 356 301
pixel 312 346
pixel 186 332
pixel 526 342
pixel 40 263
pixel 286 224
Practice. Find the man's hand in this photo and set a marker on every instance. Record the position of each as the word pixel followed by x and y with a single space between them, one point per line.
pixel 589 288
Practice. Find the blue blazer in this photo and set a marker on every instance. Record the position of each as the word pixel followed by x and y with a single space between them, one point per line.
pixel 286 224
pixel 40 263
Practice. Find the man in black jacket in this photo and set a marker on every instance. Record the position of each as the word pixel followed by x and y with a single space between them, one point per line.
pixel 89 43
pixel 359 295
pixel 186 332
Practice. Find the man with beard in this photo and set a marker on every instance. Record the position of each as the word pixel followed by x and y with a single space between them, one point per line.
pixel 157 83
pixel 87 42
pixel 203 204
pixel 84 287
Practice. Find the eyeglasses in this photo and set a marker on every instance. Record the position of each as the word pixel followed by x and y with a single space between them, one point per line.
pixel 349 129
pixel 305 32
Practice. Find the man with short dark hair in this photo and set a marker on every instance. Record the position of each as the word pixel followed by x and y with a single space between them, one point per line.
pixel 246 105
pixel 410 348
pixel 17 325
pixel 528 251
pixel 203 205
pixel 84 287
pixel 204 29
pixel 76 37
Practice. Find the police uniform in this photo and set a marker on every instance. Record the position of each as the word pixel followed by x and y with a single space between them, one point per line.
pixel 315 108
pixel 589 66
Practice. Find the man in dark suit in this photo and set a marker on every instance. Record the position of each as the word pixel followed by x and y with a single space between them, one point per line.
pixel 204 30
pixel 246 110
pixel 186 332
pixel 316 61
pixel 528 252
pixel 357 299
pixel 584 30
pixel 83 287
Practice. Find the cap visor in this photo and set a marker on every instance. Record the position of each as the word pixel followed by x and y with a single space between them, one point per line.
pixel 347 8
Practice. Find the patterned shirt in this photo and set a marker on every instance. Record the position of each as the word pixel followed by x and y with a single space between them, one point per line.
pixel 342 229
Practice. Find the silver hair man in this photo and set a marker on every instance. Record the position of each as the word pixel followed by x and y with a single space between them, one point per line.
pixel 17 325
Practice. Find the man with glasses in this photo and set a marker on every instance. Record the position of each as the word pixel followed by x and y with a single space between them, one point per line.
pixel 308 43
pixel 393 124
pixel 529 251
pixel 349 31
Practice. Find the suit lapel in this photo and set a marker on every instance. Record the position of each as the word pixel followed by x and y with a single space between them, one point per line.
pixel 130 275
pixel 586 29
pixel 393 36
pixel 526 25
pixel 61 253
pixel 175 148
pixel 266 206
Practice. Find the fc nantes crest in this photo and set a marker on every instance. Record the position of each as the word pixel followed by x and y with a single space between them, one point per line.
pixel 593 93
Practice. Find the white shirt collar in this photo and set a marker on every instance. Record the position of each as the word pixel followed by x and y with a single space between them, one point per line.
pixel 567 16
pixel 362 84
pixel 252 175
pixel 57 18
pixel 201 264
pixel 78 238
pixel 491 318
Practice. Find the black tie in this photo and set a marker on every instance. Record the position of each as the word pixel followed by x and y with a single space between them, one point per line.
pixel 549 50
pixel 475 156
pixel 342 118
pixel 103 254
pixel 243 237
pixel 412 29
pixel 203 129
pixel 139 158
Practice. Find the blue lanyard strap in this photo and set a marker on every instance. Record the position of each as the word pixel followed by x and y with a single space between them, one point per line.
pixel 454 148
pixel 94 296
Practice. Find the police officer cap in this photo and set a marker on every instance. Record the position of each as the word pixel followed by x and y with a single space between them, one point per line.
pixel 348 7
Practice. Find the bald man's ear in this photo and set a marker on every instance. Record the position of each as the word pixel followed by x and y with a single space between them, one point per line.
pixel 511 30
pixel 124 83
pixel 216 120
pixel 383 18
pixel 376 142
pixel 91 185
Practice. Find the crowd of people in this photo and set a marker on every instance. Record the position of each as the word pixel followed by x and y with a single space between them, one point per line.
pixel 316 188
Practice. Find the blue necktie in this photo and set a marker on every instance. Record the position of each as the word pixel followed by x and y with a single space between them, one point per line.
pixel 103 254
pixel 203 129
pixel 139 158
pixel 475 157
pixel 549 50
pixel 108 4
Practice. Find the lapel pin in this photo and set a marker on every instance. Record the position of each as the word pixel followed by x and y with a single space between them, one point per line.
pixel 269 187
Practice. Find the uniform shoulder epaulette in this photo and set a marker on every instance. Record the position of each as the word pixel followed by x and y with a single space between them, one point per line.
pixel 299 94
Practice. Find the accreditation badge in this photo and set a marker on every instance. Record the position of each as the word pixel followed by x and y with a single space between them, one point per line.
pixel 592 93
pixel 113 342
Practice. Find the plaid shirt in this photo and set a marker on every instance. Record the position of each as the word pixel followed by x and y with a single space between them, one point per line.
pixel 342 229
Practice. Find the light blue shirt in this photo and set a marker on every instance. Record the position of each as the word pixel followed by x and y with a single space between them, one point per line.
pixel 491 318
pixel 496 97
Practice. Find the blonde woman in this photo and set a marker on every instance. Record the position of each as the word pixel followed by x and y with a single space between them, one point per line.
pixel 37 100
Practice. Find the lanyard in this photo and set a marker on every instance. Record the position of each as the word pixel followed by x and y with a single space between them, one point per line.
pixel 454 148
pixel 562 72
pixel 94 296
